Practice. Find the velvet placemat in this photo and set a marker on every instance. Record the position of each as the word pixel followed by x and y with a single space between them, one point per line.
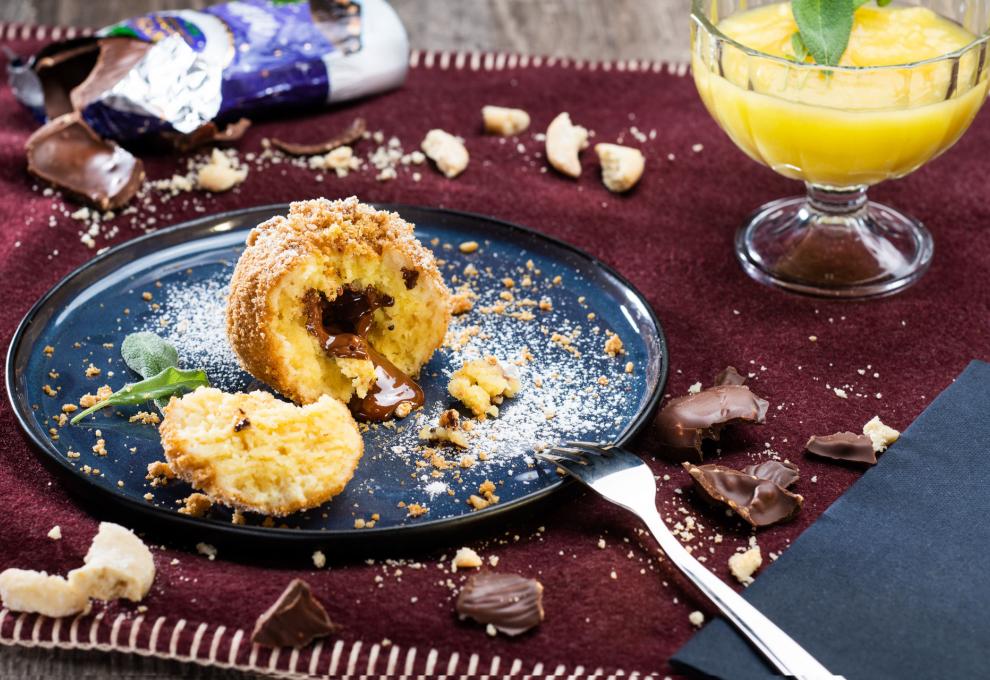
pixel 613 607
pixel 890 582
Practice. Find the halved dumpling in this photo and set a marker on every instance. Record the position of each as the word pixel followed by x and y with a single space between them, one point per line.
pixel 338 298
pixel 257 453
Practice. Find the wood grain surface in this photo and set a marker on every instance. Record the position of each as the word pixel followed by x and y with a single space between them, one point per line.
pixel 586 29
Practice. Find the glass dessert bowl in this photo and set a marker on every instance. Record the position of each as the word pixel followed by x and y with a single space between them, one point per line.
pixel 840 129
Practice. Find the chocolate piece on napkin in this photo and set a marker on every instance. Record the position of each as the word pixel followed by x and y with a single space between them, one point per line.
pixel 760 502
pixel 509 602
pixel 782 473
pixel 902 554
pixel 295 620
pixel 847 446
pixel 685 422
pixel 67 153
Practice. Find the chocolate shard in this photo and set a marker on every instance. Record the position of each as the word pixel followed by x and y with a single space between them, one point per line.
pixel 760 502
pixel 847 446
pixel 729 376
pixel 295 620
pixel 69 154
pixel 117 56
pixel 783 474
pixel 685 422
pixel 511 603
pixel 208 133
pixel 350 134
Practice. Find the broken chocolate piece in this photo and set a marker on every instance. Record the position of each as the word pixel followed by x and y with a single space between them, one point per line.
pixel 295 620
pixel 758 501
pixel 509 602
pixel 350 134
pixel 208 133
pixel 783 474
pixel 117 56
pixel 60 68
pixel 685 422
pixel 729 376
pixel 70 155
pixel 847 446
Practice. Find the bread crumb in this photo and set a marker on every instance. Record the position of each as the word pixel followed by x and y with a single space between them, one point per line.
pixel 613 345
pixel 622 166
pixel 220 174
pixel 564 141
pixel 696 618
pixel 319 559
pixel 881 435
pixel 196 505
pixel 447 151
pixel 207 550
pixel 55 533
pixel 629 367
pixel 468 247
pixel 481 384
pixel 416 510
pixel 743 565
pixel 102 394
pixel 504 121
pixel 145 417
pixel 466 558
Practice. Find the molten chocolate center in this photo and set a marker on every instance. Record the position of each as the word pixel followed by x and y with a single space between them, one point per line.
pixel 341 327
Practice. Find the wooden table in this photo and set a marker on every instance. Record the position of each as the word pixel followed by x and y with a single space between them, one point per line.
pixel 585 29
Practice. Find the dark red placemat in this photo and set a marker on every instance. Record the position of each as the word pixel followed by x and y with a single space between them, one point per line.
pixel 611 608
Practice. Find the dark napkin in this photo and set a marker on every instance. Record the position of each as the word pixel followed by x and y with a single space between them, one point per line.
pixel 892 581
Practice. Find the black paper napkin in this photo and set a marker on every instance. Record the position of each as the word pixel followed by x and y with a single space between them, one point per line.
pixel 893 580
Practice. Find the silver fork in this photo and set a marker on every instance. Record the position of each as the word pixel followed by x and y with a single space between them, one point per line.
pixel 624 479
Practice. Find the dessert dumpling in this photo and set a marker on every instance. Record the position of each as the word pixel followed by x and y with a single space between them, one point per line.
pixel 257 453
pixel 338 298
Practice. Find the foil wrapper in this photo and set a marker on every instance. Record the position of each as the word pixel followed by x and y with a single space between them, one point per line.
pixel 170 73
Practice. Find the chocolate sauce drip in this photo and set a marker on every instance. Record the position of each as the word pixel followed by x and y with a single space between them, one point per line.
pixel 341 327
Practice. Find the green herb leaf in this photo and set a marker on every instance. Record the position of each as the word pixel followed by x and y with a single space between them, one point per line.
pixel 148 354
pixel 800 50
pixel 171 381
pixel 882 3
pixel 825 26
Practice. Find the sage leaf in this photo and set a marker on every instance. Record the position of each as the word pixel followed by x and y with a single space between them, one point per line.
pixel 825 26
pixel 169 382
pixel 801 53
pixel 148 355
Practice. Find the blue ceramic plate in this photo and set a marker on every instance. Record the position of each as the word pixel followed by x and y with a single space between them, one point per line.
pixel 561 307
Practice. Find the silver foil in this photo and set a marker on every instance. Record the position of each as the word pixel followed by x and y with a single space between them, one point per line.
pixel 172 84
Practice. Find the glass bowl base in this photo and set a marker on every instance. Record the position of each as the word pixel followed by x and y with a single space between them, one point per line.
pixel 817 248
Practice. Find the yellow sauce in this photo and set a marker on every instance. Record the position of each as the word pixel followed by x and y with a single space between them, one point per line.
pixel 843 127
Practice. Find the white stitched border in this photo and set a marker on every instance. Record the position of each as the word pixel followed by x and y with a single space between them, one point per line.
pixel 20 636
pixel 314 657
pixel 335 657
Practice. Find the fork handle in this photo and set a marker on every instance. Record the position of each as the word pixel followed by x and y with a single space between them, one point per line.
pixel 777 646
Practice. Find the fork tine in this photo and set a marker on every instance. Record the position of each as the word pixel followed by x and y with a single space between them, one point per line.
pixel 563 453
pixel 590 448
